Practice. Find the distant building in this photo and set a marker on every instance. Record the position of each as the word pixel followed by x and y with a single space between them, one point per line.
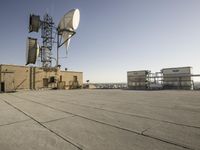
pixel 138 79
pixel 177 78
pixel 13 77
pixel 168 78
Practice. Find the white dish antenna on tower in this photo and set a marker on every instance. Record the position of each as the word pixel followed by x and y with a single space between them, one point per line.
pixel 70 20
pixel 32 50
pixel 68 24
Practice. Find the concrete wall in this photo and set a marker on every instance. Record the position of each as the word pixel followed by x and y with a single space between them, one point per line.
pixel 69 78
pixel 41 74
pixel 22 77
pixel 15 77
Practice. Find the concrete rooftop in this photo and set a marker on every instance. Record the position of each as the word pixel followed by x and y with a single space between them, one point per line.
pixel 100 120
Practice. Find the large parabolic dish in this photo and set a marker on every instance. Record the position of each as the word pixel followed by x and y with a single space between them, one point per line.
pixel 34 23
pixel 69 22
pixel 32 50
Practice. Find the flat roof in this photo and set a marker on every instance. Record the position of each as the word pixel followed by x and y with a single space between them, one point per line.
pixel 139 71
pixel 71 71
pixel 14 65
pixel 177 68
pixel 100 120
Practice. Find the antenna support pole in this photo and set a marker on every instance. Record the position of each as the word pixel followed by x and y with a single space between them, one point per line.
pixel 59 44
pixel 57 61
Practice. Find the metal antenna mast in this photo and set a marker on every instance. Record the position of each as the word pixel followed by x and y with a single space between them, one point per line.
pixel 47 36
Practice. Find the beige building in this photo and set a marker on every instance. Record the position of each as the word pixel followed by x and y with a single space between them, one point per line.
pixel 13 77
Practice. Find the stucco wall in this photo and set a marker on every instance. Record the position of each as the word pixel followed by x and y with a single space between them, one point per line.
pixel 17 75
pixel 68 77
pixel 23 77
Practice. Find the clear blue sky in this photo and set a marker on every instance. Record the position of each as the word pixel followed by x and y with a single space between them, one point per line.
pixel 114 36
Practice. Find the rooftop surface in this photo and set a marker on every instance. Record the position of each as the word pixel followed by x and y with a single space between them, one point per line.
pixel 100 120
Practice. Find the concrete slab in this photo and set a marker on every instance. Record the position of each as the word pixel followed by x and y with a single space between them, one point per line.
pixel 3 104
pixel 8 115
pixel 30 136
pixel 39 112
pixel 188 137
pixel 135 124
pixel 191 118
pixel 105 119
pixel 171 115
pixel 161 105
pixel 136 103
pixel 93 135
pixel 10 98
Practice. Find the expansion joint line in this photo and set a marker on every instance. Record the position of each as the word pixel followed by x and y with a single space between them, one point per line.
pixel 145 131
pixel 66 140
pixel 132 115
pixel 15 122
pixel 114 126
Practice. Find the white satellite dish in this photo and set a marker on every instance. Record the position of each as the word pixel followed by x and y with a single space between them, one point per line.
pixel 70 20
pixel 68 24
pixel 32 51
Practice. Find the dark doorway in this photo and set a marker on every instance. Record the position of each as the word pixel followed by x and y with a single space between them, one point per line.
pixel 52 79
pixel 45 82
pixel 2 87
pixel 75 78
pixel 60 78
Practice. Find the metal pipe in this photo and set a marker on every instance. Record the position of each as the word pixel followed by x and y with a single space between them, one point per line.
pixel 67 39
pixel 57 50
pixel 0 79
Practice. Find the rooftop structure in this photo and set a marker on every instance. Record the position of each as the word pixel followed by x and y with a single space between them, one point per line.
pixel 138 79
pixel 177 78
pixel 13 77
pixel 167 78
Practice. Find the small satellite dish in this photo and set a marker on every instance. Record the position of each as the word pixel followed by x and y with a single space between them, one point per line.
pixel 70 20
pixel 32 51
pixel 34 23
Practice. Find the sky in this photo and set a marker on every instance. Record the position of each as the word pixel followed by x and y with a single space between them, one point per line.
pixel 114 36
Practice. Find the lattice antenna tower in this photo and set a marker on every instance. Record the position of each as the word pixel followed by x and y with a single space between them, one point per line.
pixel 64 32
pixel 47 40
